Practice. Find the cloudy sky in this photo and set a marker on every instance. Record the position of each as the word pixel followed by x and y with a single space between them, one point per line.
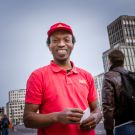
pixel 23 27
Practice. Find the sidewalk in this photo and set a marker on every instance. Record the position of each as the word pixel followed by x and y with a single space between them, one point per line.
pixel 21 130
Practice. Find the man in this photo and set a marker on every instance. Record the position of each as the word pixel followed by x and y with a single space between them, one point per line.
pixel 4 124
pixel 113 100
pixel 60 91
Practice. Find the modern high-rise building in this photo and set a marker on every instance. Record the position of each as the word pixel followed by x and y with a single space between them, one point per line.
pixel 121 33
pixel 15 106
pixel 122 30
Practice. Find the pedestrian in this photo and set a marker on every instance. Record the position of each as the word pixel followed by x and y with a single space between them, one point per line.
pixel 61 91
pixel 117 119
pixel 0 127
pixel 4 124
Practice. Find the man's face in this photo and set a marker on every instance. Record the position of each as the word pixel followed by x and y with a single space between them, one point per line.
pixel 61 45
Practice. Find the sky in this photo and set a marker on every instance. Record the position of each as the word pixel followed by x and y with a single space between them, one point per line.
pixel 23 32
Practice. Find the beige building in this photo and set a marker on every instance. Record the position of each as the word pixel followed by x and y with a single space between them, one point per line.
pixel 15 106
pixel 98 83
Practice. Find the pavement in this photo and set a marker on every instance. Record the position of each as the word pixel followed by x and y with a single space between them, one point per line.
pixel 21 130
pixel 100 129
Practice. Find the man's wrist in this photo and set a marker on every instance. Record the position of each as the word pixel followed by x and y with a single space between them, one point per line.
pixel 55 117
pixel 97 116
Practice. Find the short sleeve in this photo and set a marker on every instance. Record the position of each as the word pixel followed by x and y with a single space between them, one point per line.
pixel 34 89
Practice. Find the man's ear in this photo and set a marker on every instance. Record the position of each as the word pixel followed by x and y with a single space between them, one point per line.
pixel 49 47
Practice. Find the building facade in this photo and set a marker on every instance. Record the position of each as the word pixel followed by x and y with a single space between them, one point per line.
pixel 98 83
pixel 15 106
pixel 122 30
pixel 1 113
pixel 121 33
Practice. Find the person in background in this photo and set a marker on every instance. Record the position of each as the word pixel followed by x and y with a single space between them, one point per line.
pixel 112 99
pixel 0 127
pixel 5 124
pixel 61 91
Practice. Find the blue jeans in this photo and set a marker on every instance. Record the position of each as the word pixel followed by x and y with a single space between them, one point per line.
pixel 128 129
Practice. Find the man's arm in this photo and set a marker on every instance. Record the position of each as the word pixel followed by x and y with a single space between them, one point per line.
pixel 32 119
pixel 108 104
pixel 96 112
pixel 93 120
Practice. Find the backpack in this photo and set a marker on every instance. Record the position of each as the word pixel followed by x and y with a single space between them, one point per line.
pixel 128 93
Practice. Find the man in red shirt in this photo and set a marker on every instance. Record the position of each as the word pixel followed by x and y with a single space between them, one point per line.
pixel 61 91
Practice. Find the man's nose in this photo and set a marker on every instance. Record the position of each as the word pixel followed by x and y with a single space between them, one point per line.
pixel 61 43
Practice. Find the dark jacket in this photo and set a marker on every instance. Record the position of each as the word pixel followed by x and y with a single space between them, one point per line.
pixel 112 87
pixel 5 123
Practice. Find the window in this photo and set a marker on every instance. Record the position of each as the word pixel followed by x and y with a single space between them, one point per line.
pixel 134 60
pixel 124 22
pixel 127 61
pixel 133 40
pixel 128 32
pixel 130 59
pixel 131 32
pixel 130 22
pixel 127 40
pixel 125 31
pixel 130 40
pixel 132 52
pixel 133 22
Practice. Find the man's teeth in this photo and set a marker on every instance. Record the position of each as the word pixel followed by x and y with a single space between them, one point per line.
pixel 61 51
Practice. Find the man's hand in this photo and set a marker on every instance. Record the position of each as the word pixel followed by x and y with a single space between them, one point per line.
pixel 70 116
pixel 89 123
pixel 93 119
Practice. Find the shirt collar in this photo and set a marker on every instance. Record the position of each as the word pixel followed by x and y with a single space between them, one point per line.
pixel 57 68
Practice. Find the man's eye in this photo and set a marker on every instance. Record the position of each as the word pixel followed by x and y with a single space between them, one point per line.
pixel 55 41
pixel 68 40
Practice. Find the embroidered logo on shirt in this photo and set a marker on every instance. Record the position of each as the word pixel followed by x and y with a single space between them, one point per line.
pixel 82 81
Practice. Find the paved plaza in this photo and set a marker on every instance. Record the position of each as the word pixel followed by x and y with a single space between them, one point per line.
pixel 21 130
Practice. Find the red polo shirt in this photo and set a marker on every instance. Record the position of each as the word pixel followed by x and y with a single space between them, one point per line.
pixel 54 90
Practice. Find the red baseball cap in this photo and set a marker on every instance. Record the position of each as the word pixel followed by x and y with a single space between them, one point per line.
pixel 59 26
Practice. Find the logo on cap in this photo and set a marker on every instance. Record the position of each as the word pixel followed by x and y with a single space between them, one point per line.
pixel 59 26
